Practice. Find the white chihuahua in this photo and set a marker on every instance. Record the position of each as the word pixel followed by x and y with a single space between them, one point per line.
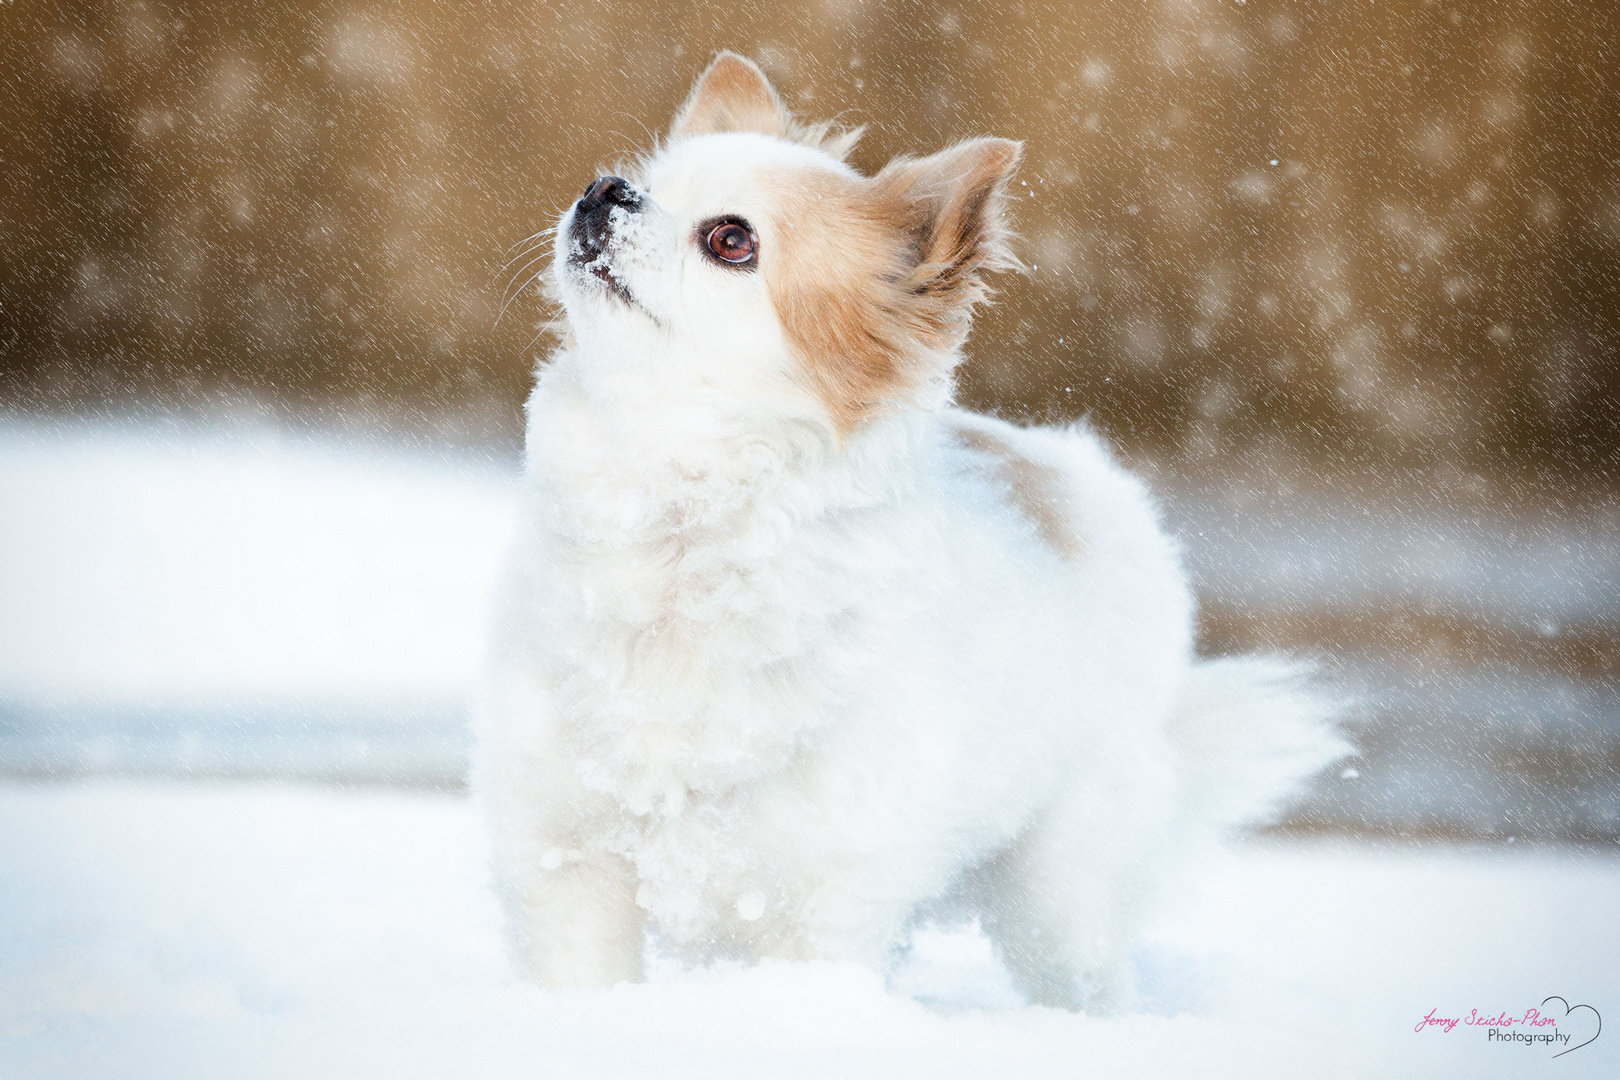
pixel 790 649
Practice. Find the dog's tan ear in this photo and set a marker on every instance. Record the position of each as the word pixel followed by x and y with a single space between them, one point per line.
pixel 875 286
pixel 732 95
pixel 953 206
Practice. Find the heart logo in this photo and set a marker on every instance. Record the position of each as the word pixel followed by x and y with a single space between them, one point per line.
pixel 1568 1009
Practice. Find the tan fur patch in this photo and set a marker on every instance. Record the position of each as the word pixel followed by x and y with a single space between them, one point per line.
pixel 1036 490
pixel 835 267
pixel 875 280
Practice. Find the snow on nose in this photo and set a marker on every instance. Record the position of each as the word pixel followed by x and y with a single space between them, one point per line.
pixel 594 217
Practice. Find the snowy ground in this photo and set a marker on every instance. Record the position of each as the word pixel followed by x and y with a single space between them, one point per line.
pixel 260 931
pixel 196 563
pixel 247 620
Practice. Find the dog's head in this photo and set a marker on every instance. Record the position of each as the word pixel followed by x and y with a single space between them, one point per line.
pixel 745 256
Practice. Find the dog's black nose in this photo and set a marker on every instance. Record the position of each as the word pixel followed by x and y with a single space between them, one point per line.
pixel 606 190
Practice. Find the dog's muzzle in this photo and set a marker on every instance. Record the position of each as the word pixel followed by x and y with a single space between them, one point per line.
pixel 593 215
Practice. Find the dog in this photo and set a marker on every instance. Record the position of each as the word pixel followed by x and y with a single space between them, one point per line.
pixel 790 651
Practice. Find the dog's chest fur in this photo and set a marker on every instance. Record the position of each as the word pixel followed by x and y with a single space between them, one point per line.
pixel 712 598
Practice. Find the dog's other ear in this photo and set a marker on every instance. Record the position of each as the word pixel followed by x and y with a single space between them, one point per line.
pixel 732 95
pixel 953 208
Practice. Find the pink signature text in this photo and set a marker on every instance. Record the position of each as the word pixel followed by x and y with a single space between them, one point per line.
pixel 1531 1018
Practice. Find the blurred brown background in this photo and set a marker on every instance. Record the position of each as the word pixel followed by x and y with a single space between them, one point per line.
pixel 1371 234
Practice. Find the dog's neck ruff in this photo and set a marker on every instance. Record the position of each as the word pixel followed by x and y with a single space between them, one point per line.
pixel 706 586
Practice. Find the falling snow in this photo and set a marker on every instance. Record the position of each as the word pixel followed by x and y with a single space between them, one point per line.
pixel 1341 279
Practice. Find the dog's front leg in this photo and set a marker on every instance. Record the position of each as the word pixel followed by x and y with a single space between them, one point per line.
pixel 576 922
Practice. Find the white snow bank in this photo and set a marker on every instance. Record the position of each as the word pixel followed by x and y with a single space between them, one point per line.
pixel 155 563
pixel 280 932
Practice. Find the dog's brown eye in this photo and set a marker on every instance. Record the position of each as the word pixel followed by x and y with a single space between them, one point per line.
pixel 732 243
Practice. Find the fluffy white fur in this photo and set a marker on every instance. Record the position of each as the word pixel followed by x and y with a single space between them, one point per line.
pixel 768 687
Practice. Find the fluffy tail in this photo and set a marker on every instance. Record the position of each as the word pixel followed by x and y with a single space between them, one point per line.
pixel 1249 730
